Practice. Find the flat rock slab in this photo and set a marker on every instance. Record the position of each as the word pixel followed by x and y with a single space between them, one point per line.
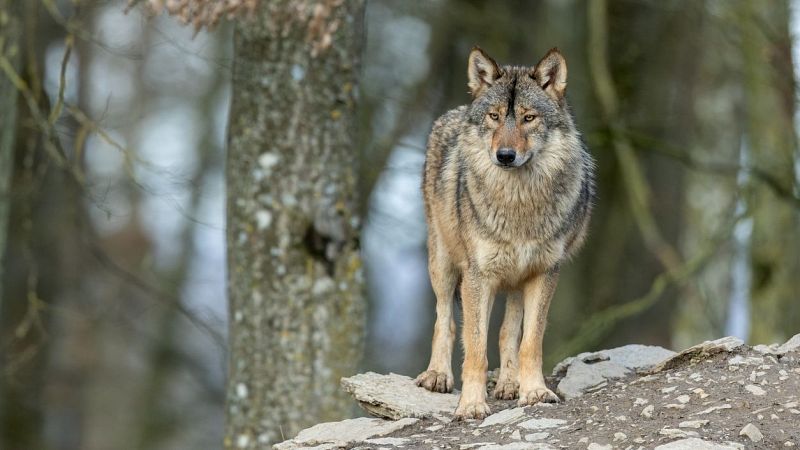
pixel 705 349
pixel 518 446
pixel 505 416
pixel 590 371
pixel 792 345
pixel 333 435
pixel 698 444
pixel 396 396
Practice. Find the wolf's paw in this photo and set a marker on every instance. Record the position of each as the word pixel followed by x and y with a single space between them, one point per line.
pixel 435 381
pixel 537 395
pixel 477 410
pixel 506 390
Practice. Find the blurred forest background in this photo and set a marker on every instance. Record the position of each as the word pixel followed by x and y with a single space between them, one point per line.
pixel 113 316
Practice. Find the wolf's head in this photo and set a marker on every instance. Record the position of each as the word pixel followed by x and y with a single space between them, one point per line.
pixel 518 110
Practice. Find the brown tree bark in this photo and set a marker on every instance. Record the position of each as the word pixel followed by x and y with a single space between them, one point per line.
pixel 295 284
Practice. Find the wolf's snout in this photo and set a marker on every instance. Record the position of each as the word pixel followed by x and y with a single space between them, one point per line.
pixel 506 156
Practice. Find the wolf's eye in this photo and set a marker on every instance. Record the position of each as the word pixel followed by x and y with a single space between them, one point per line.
pixel 529 117
pixel 494 116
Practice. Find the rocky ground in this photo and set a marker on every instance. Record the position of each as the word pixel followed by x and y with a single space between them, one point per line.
pixel 716 395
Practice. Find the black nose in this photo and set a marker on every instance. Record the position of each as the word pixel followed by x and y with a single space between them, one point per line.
pixel 506 155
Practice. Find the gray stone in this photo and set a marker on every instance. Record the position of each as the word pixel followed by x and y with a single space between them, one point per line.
pixel 705 349
pixel 675 432
pixel 340 434
pixel 696 444
pixel 505 416
pixel 792 345
pixel 388 441
pixel 533 437
pixel 693 423
pixel 542 424
pixel 396 396
pixel 712 409
pixel 518 446
pixel 595 446
pixel 587 372
pixel 752 432
pixel 739 360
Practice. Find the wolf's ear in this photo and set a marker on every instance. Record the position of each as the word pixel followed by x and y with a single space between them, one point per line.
pixel 482 71
pixel 551 74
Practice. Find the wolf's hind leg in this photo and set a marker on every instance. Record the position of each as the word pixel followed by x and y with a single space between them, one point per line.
pixel 507 386
pixel 536 297
pixel 444 279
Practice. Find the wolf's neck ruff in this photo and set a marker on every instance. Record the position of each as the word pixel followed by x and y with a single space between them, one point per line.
pixel 524 203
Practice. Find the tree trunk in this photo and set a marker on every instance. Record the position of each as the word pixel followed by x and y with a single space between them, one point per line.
pixel 10 33
pixel 295 283
pixel 769 92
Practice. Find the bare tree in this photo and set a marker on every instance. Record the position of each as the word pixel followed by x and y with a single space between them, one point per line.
pixel 295 284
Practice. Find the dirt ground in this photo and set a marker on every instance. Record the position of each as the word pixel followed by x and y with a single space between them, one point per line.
pixel 712 398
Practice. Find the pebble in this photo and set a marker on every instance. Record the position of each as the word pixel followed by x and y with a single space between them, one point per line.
pixel 683 398
pixel 674 406
pixel 393 441
pixel 750 360
pixel 755 390
pixel 752 432
pixel 667 390
pixel 543 423
pixel 516 435
pixel 675 432
pixel 595 446
pixel 640 401
pixel 712 409
pixel 537 436
pixel 693 423
pixel 701 393
pixel 620 437
pixel 648 411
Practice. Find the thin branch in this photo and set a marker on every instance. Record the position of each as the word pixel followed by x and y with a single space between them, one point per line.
pixel 169 299
pixel 55 112
pixel 719 167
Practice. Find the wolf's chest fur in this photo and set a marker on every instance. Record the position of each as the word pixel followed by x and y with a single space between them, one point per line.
pixel 514 224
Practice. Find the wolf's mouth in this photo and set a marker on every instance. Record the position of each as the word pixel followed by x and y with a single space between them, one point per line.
pixel 516 164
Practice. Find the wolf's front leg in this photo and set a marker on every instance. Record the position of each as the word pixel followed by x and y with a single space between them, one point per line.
pixel 537 294
pixel 476 299
pixel 444 279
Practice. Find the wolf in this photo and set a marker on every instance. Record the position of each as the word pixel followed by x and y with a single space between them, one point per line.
pixel 508 187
